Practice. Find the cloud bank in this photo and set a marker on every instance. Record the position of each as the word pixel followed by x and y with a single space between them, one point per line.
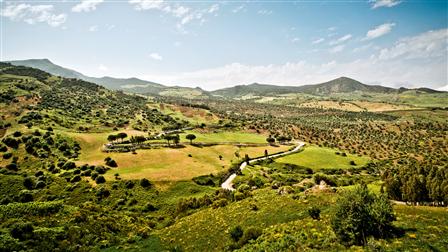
pixel 412 62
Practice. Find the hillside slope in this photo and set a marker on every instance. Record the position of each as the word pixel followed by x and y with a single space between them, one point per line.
pixel 129 85
pixel 41 98
pixel 336 86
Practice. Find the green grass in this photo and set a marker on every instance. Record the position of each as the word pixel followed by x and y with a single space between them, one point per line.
pixel 169 163
pixel 226 136
pixel 208 230
pixel 321 158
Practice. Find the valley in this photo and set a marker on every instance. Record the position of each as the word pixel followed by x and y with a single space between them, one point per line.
pixel 87 166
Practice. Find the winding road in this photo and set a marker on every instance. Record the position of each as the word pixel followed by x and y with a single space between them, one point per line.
pixel 228 183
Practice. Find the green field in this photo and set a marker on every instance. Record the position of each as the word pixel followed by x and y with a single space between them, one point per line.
pixel 321 158
pixel 226 136
pixel 171 163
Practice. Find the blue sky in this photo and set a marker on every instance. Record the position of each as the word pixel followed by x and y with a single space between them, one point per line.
pixel 214 44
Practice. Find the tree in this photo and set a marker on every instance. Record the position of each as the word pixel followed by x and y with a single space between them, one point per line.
pixel 190 137
pixel 359 214
pixel 168 138
pixel 265 153
pixel 100 179
pixel 122 135
pixel 270 140
pixel 176 139
pixel 111 138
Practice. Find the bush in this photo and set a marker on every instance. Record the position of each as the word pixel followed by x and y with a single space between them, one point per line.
pixel 236 233
pixel 145 183
pixel 129 184
pixel 251 233
pixel 21 230
pixel 110 162
pixel 100 180
pixel 100 169
pixel 149 208
pixel 328 180
pixel 7 155
pixel 11 142
pixel 314 213
pixel 28 183
pixel 359 214
pixel 40 185
pixel 25 196
pixel 12 167
pixel 76 178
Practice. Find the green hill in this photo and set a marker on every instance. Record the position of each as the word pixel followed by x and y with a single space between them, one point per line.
pixel 45 99
pixel 340 85
pixel 129 85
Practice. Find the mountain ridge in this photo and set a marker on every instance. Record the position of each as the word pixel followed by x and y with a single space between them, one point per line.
pixel 135 85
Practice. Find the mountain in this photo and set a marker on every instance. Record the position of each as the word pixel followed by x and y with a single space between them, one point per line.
pixel 47 66
pixel 129 85
pixel 138 86
pixel 339 85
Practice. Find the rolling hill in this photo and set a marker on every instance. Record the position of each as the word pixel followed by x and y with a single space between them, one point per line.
pixel 342 85
pixel 336 86
pixel 129 85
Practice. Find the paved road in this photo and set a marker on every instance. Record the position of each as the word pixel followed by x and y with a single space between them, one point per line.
pixel 228 183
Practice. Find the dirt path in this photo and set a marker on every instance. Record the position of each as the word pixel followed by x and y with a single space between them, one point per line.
pixel 228 185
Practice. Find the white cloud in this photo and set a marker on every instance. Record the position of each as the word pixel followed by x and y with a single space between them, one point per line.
pixel 86 5
pixel 155 56
pixel 379 31
pixel 33 14
pixel 180 11
pixel 264 12
pixel 338 48
pixel 93 28
pixel 444 88
pixel 238 9
pixel 295 40
pixel 429 70
pixel 103 68
pixel 184 14
pixel 177 43
pixel 384 3
pixel 428 45
pixel 213 8
pixel 341 39
pixel 317 41
pixel 362 48
pixel 148 4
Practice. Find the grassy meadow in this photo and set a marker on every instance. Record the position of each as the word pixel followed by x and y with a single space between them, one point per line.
pixel 171 163
pixel 317 158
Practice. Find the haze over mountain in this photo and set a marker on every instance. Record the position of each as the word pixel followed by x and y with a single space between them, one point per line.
pixel 138 86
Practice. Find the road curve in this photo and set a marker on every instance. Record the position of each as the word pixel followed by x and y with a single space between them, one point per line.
pixel 228 185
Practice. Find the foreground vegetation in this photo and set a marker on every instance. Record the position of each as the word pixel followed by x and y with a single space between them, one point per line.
pixel 62 190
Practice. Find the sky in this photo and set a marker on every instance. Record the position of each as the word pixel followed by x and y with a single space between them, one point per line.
pixel 216 44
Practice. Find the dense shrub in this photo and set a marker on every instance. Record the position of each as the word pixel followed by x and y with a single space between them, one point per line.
pixel 28 183
pixel 314 212
pixel 328 180
pixel 100 179
pixel 21 230
pixel 110 162
pixel 7 155
pixel 236 233
pixel 359 214
pixel 145 183
pixel 11 142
